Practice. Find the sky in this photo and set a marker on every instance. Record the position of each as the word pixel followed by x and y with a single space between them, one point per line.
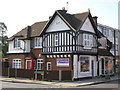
pixel 17 14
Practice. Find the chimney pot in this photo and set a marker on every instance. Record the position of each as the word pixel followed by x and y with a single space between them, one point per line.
pixel 95 20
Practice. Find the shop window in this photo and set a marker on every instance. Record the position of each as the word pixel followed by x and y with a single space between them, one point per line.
pixel 49 65
pixel 16 63
pixel 40 64
pixel 108 66
pixel 84 64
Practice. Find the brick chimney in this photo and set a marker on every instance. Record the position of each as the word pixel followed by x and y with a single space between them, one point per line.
pixel 29 30
pixel 95 20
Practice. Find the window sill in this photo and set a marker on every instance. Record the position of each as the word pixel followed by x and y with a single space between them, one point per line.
pixel 37 47
pixel 85 47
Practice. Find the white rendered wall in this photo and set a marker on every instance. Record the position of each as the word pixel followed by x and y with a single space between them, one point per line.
pixel 57 25
pixel 25 47
pixel 87 26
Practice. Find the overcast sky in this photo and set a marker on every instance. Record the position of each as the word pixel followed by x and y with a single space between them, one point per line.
pixel 17 14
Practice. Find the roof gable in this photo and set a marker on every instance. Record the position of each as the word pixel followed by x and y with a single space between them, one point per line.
pixel 57 25
pixel 87 26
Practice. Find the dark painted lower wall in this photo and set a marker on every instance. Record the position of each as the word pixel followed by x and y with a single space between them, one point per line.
pixel 27 73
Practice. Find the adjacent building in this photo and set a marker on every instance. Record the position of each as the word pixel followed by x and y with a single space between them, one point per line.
pixel 113 35
pixel 69 43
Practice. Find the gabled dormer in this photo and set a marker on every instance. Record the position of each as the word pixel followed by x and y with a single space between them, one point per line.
pixel 70 33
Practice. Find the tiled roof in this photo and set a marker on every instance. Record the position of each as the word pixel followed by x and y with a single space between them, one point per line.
pixel 75 20
pixel 103 52
pixel 35 31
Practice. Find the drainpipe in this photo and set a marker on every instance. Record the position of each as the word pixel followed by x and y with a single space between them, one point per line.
pixel 114 51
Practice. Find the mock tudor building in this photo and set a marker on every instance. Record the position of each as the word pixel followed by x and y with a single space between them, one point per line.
pixel 66 42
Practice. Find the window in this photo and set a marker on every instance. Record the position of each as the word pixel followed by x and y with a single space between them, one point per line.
pixel 49 65
pixel 38 42
pixel 87 40
pixel 84 64
pixel 16 43
pixel 105 32
pixel 108 66
pixel 56 39
pixel 17 63
pixel 40 64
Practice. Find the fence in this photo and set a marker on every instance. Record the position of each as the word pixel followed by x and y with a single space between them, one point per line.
pixel 27 73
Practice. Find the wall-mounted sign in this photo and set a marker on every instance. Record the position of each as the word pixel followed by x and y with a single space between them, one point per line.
pixel 63 62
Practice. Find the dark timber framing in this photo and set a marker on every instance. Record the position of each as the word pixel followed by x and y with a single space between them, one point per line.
pixel 65 44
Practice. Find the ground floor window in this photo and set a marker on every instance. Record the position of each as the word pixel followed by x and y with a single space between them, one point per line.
pixel 49 65
pixel 84 64
pixel 16 63
pixel 40 64
pixel 108 66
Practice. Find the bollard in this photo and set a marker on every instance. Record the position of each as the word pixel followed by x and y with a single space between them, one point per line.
pixel 60 75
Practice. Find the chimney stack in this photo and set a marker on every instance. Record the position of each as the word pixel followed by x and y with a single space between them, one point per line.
pixel 95 20
pixel 29 30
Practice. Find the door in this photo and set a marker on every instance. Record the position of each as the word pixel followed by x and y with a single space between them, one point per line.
pixel 28 64
pixel 102 66
pixel 92 65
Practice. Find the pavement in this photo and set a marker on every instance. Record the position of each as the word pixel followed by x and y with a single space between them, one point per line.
pixel 78 83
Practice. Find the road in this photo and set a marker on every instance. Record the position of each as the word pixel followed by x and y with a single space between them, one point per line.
pixel 113 84
pixel 26 85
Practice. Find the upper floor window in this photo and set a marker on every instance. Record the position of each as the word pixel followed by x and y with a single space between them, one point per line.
pixel 56 39
pixel 88 40
pixel 38 42
pixel 105 32
pixel 16 43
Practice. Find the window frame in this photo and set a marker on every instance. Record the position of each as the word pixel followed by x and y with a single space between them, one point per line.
pixel 88 40
pixel 30 63
pixel 38 42
pixel 56 40
pixel 16 65
pixel 88 59
pixel 40 63
pixel 17 43
pixel 50 66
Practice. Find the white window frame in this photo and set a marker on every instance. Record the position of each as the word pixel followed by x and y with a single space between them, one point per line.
pixel 56 40
pixel 88 61
pixel 26 63
pixel 16 63
pixel 49 63
pixel 38 42
pixel 17 43
pixel 40 62
pixel 87 41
